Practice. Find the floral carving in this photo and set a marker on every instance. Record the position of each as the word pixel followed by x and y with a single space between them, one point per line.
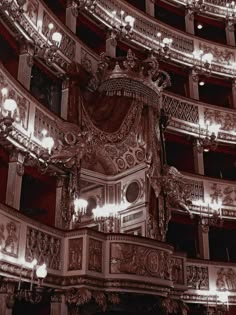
pixel 9 236
pixel 44 247
pixel 139 260
pixel 197 277
pixel 75 254
pixel 31 9
pixel 226 279
pixel 95 255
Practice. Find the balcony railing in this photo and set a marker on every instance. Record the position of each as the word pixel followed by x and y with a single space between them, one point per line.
pixel 34 25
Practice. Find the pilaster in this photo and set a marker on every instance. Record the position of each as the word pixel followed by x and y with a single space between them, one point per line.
pixel 198 160
pixel 234 93
pixel 14 180
pixel 203 242
pixel 150 7
pixel 111 44
pixel 189 22
pixel 229 30
pixel 71 15
pixel 25 63
pixel 58 306
pixel 64 98
pixel 193 85
pixel 60 197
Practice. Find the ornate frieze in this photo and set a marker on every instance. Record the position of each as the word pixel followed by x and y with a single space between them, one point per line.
pixel 9 236
pixel 44 247
pixel 197 277
pixel 75 254
pixel 31 10
pixel 126 258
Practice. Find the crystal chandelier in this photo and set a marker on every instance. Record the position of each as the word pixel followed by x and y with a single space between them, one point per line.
pixel 202 62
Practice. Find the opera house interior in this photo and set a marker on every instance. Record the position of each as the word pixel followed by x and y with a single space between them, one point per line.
pixel 117 157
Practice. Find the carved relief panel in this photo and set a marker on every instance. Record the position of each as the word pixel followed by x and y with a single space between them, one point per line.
pixel 226 279
pixel 197 277
pixel 9 236
pixel 95 255
pixel 31 10
pixel 75 254
pixel 139 260
pixel 44 247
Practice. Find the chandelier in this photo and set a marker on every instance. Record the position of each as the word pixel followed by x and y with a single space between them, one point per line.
pixel 107 217
pixel 207 137
pixel 122 24
pixel 210 214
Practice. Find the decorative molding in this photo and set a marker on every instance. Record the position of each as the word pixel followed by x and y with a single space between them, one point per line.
pixel 197 277
pixel 44 247
pixel 75 253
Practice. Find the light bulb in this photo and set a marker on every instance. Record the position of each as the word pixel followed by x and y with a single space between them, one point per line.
pixel 41 271
pixel 10 105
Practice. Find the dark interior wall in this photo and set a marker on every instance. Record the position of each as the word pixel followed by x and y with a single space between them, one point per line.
pixel 38 196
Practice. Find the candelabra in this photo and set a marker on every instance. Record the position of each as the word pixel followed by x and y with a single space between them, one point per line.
pixel 202 62
pixel 122 24
pixel 207 137
pixel 107 217
pixel 28 292
pixel 49 50
pixel 7 113
pixel 79 5
pixel 165 45
pixel 210 214
pixel 195 6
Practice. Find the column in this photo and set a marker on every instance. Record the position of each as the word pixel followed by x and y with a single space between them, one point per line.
pixel 25 63
pixel 193 85
pixel 58 305
pixel 203 242
pixel 60 200
pixel 229 30
pixel 234 93
pixel 189 22
pixel 71 15
pixel 111 44
pixel 14 180
pixel 198 160
pixel 5 304
pixel 150 7
pixel 64 98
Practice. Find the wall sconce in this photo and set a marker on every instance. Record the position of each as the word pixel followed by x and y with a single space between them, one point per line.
pixel 210 214
pixel 122 24
pixel 207 137
pixel 106 217
pixel 33 294
pixel 7 113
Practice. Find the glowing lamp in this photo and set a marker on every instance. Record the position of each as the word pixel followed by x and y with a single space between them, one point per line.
pixel 10 105
pixel 80 205
pixel 48 143
pixel 41 271
pixel 57 37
